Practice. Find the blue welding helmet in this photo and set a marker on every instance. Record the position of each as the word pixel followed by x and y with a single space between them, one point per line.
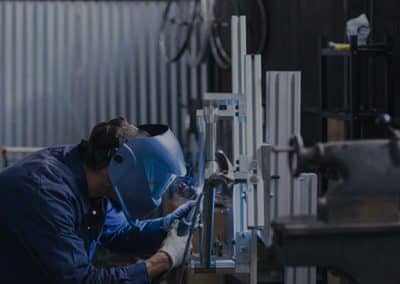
pixel 143 168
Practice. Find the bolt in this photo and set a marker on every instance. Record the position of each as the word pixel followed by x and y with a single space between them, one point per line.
pixel 118 158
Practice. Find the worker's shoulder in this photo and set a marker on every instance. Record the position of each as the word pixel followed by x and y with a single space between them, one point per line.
pixel 37 184
pixel 42 170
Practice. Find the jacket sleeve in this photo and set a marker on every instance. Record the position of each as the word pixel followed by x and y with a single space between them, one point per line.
pixel 143 238
pixel 46 228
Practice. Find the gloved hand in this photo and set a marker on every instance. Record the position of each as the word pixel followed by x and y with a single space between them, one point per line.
pixel 178 214
pixel 174 245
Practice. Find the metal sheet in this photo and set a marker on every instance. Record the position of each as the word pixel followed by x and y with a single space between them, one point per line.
pixel 66 65
pixel 2 63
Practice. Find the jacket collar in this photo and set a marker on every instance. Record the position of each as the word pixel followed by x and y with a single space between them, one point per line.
pixel 73 161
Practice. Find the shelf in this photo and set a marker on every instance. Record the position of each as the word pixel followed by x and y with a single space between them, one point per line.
pixel 343 115
pixel 361 51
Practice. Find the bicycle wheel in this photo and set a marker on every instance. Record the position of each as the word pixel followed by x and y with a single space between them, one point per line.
pixel 176 28
pixel 220 41
pixel 199 44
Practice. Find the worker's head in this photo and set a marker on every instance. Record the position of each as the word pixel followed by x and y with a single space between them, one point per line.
pixel 136 164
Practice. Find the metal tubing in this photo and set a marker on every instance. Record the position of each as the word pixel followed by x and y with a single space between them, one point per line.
pixel 211 134
pixel 208 226
pixel 212 182
pixel 210 117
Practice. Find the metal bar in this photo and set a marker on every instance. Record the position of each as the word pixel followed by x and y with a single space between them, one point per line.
pixel 173 111
pixel 323 81
pixel 210 117
pixel 249 93
pixel 242 85
pixel 265 164
pixel 242 51
pixel 257 111
pixel 222 97
pixel 208 227
pixel 283 120
pixel 258 139
pixel 371 16
pixel 194 78
pixel 353 89
pixel 305 203
pixel 20 149
pixel 204 79
pixel 253 258
pixel 235 54
pixel 272 111
pixel 239 195
pixel 183 103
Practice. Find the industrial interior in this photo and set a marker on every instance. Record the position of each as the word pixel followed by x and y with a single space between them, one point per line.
pixel 200 141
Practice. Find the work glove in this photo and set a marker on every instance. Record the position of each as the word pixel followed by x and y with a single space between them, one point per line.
pixel 174 245
pixel 178 214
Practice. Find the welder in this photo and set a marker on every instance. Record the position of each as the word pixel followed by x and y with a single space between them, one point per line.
pixel 59 204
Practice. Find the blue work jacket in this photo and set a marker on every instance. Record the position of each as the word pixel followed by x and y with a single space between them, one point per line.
pixel 49 228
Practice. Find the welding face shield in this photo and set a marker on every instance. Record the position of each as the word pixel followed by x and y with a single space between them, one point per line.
pixel 143 169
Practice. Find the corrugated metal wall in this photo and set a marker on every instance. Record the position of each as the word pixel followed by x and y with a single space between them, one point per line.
pixel 66 65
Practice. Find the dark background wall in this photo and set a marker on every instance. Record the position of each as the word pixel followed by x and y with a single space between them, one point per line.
pixel 295 29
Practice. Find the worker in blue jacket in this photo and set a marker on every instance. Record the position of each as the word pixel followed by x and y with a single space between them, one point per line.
pixel 58 204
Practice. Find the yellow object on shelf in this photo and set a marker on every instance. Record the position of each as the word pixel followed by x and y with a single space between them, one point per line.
pixel 339 46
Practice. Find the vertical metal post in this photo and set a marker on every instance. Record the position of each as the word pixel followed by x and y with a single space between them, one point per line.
pixel 254 135
pixel 354 94
pixel 251 186
pixel 323 92
pixel 238 43
pixel 288 196
pixel 210 117
pixel 208 227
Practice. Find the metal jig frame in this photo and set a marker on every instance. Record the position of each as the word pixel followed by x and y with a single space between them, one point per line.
pixel 258 168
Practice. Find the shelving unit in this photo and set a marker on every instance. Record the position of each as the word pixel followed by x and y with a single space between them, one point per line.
pixel 358 110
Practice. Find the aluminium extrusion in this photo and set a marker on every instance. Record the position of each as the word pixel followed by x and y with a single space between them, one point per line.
pixel 287 196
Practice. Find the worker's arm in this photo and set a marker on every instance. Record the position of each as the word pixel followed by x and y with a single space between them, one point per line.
pixel 48 232
pixel 141 237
